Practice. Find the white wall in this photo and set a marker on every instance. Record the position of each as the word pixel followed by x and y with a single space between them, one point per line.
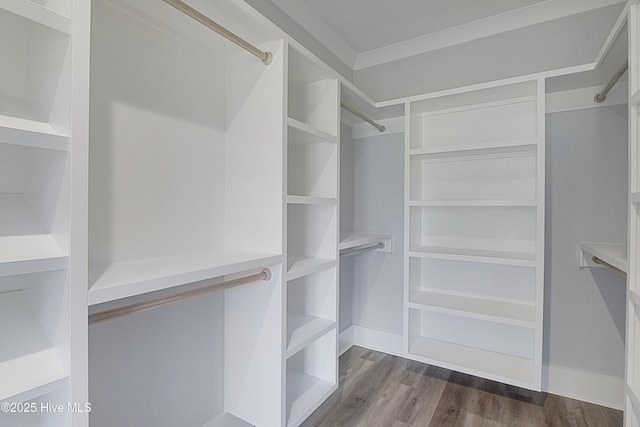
pixel 377 186
pixel 586 200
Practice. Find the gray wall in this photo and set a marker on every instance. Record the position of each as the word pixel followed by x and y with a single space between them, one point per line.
pixel 586 200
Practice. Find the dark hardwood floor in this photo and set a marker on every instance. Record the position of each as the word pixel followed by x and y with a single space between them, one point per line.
pixel 378 389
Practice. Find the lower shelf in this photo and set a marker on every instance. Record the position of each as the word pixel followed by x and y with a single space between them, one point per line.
pixel 29 365
pixel 302 266
pixel 497 366
pixel 126 279
pixel 304 394
pixel 304 329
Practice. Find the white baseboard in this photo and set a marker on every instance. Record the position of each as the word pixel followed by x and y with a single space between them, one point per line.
pixel 575 384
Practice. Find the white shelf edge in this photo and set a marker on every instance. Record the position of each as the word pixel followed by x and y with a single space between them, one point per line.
pixel 38 14
pixel 35 392
pixel 504 319
pixel 317 133
pixel 310 331
pixel 470 257
pixel 472 203
pixel 307 266
pixel 308 200
pixel 611 253
pixel 123 280
pixel 479 106
pixel 635 99
pixel 226 419
pixel 354 239
pixel 459 149
pixel 635 197
pixel 472 354
pixel 28 133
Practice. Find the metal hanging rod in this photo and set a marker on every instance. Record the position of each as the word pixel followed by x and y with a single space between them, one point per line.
pixel 350 252
pixel 355 112
pixel 606 264
pixel 207 287
pixel 600 97
pixel 265 57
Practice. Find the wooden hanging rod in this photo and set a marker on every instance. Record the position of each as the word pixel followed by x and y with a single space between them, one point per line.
pixel 600 97
pixel 207 287
pixel 357 113
pixel 350 252
pixel 265 57
pixel 606 264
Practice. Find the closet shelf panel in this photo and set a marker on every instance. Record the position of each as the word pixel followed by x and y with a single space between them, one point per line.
pixel 612 253
pixel 28 362
pixel 473 203
pixel 25 245
pixel 38 14
pixel 635 99
pixel 302 133
pixel 474 149
pixel 226 420
pixel 497 366
pixel 31 133
pixel 517 313
pixel 303 266
pixel 309 391
pixel 354 239
pixel 474 255
pixel 126 279
pixel 306 200
pixel 304 329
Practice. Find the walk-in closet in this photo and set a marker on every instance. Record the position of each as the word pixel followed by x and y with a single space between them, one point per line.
pixel 283 213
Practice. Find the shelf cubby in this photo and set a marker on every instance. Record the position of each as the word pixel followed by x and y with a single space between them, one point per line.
pixel 311 167
pixel 311 378
pixel 478 347
pixel 311 238
pixel 311 308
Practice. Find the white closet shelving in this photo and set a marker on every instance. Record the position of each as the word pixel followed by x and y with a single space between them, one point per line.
pixel 475 215
pixel 614 254
pixel 632 374
pixel 311 235
pixel 35 93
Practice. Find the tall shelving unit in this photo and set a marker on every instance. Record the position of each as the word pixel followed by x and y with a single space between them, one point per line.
pixel 310 232
pixel 632 372
pixel 35 91
pixel 475 232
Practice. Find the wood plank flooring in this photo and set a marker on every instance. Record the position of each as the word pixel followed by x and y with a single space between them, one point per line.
pixel 380 390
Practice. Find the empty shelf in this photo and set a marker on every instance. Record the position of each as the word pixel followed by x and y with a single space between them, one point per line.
pixel 302 133
pixel 512 313
pixel 31 133
pixel 475 255
pixel 614 254
pixel 474 149
pixel 498 366
pixel 126 279
pixel 471 203
pixel 354 239
pixel 38 14
pixel 306 200
pixel 302 266
pixel 28 362
pixel 304 329
pixel 304 395
pixel 226 420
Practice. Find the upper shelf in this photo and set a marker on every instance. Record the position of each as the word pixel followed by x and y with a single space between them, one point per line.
pixel 614 254
pixel 473 202
pixel 475 255
pixel 28 362
pixel 31 133
pixel 38 14
pixel 302 133
pixel 127 279
pixel 473 149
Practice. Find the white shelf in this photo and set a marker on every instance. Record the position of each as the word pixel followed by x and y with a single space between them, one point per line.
pixel 473 149
pixel 635 197
pixel 304 329
pixel 303 133
pixel 635 99
pixel 473 203
pixel 25 245
pixel 28 362
pixel 226 420
pixel 508 312
pixel 498 366
pixel 126 279
pixel 303 266
pixel 31 133
pixel 306 200
pixel 38 14
pixel 354 239
pixel 611 253
pixel 475 255
pixel 309 391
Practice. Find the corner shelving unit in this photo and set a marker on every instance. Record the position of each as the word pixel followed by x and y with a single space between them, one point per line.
pixel 35 91
pixel 311 235
pixel 474 241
